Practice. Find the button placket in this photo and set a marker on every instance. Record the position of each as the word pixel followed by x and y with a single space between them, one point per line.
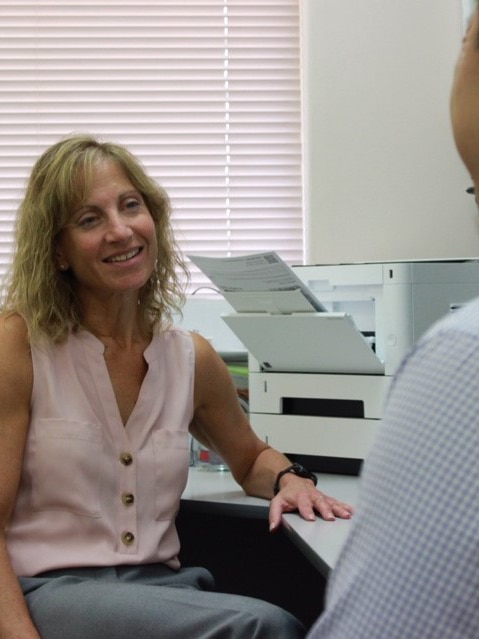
pixel 127 515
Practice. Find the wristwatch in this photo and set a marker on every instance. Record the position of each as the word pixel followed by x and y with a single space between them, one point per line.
pixel 296 469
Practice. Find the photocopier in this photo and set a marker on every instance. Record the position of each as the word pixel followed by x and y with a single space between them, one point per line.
pixel 318 380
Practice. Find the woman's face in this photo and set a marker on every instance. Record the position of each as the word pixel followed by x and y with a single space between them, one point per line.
pixel 109 244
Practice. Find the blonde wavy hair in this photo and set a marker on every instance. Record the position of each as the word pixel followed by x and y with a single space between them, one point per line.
pixel 60 180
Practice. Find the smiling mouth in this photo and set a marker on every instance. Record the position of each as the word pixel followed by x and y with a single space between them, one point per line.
pixel 125 256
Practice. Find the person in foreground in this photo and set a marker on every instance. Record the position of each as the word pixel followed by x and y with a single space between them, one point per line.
pixel 98 395
pixel 410 566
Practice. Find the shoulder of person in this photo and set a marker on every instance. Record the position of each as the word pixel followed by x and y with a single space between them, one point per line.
pixel 15 352
pixel 203 347
pixel 13 332
pixel 207 361
pixel 16 370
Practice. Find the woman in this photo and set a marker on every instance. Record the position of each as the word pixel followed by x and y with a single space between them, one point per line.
pixel 98 393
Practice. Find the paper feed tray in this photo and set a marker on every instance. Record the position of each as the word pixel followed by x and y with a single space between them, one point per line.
pixel 305 342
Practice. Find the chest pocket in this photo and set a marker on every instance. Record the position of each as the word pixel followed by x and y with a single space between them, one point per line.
pixel 65 464
pixel 171 459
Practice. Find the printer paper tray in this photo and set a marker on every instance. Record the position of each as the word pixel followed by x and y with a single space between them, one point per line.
pixel 321 436
pixel 305 342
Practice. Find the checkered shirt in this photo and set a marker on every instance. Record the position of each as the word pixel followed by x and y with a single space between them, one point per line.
pixel 410 567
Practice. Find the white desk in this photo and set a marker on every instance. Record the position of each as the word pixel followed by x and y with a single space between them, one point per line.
pixel 320 541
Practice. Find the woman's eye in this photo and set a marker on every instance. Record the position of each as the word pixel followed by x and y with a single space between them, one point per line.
pixel 132 204
pixel 88 221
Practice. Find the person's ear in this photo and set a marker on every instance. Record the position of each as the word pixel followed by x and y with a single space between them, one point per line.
pixel 60 260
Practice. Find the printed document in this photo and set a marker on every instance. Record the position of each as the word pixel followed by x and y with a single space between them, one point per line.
pixel 259 282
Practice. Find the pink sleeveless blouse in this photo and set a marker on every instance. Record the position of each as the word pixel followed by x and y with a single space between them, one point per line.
pixel 94 492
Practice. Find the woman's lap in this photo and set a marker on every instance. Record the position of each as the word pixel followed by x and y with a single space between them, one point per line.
pixel 148 602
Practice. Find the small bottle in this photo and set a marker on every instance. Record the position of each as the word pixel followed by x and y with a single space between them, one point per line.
pixel 206 459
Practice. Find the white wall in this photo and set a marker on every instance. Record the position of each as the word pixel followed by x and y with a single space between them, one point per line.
pixel 384 180
pixel 204 316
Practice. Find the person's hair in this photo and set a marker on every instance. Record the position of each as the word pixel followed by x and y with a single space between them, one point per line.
pixel 60 180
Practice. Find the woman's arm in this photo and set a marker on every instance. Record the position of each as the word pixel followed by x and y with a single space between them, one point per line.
pixel 15 394
pixel 221 424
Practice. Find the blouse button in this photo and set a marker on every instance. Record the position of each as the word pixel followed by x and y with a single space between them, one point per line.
pixel 127 538
pixel 126 459
pixel 128 499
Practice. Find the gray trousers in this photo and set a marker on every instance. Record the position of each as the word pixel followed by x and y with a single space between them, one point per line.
pixel 148 602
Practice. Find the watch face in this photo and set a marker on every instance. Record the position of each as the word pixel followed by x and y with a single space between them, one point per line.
pixel 297 469
pixel 300 470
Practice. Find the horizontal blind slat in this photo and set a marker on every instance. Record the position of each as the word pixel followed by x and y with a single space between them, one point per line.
pixel 205 92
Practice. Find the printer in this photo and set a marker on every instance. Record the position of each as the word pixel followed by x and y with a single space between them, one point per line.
pixel 318 380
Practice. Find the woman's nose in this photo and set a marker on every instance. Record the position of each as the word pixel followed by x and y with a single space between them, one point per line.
pixel 118 229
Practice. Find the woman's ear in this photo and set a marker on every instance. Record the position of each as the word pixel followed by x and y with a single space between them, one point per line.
pixel 60 261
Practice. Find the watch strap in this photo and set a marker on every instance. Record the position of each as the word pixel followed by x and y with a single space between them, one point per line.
pixel 296 469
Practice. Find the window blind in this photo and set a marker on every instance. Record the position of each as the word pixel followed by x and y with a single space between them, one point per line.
pixel 205 92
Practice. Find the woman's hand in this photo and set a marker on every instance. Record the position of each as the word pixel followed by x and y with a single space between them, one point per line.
pixel 301 495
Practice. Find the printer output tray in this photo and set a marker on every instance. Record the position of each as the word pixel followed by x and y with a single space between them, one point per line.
pixel 305 342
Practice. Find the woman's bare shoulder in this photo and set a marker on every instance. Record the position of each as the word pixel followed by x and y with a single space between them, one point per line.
pixel 207 360
pixel 15 353
pixel 13 332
